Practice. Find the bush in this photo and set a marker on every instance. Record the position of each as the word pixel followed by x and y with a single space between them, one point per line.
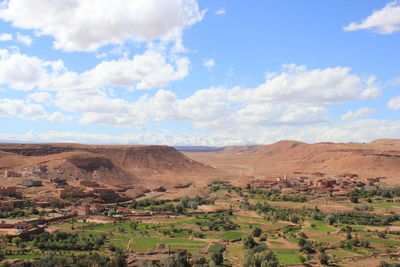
pixel 248 242
pixel 217 257
pixel 324 258
pixel 256 231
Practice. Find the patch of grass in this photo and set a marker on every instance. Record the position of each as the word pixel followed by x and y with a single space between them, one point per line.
pixel 276 243
pixel 355 251
pixel 355 227
pixel 120 241
pixel 382 241
pixel 320 226
pixel 231 235
pixel 189 245
pixel 288 258
pixel 144 244
pixel 284 249
pixel 234 253
pixel 22 257
pixel 340 253
pixel 215 247
pixel 383 204
pixel 183 241
pixel 190 248
pixel 326 238
pixel 274 226
pixel 293 240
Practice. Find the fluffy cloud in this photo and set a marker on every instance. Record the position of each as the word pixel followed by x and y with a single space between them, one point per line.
pixel 77 26
pixel 383 21
pixel 41 97
pixel 353 115
pixel 24 39
pixel 146 71
pixel 150 70
pixel 394 103
pixel 21 72
pixel 293 97
pixel 296 96
pixel 280 114
pixel 58 117
pixel 297 84
pixel 5 37
pixel 209 63
pixel 17 108
pixel 367 130
pixel 220 12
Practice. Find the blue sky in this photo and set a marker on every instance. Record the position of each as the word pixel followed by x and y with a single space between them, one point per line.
pixel 199 72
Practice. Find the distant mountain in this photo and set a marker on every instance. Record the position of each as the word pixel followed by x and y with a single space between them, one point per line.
pixel 196 148
pixel 374 159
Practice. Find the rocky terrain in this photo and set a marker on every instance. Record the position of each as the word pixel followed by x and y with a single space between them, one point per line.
pixel 112 165
pixel 378 158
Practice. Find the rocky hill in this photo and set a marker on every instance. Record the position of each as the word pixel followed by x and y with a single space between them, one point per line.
pixel 378 158
pixel 114 165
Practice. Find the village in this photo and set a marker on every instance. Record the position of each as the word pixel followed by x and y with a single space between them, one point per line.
pixel 317 182
pixel 93 201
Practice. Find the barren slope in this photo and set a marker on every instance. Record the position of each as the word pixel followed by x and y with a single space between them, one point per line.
pixel 378 158
pixel 114 165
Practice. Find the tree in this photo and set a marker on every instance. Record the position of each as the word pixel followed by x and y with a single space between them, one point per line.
pixel 16 240
pixel 120 259
pixel 354 199
pixel 257 231
pixel 302 242
pixel 217 257
pixel 324 258
pixel 330 219
pixel 264 258
pixel 302 259
pixel 248 242
pixel 180 208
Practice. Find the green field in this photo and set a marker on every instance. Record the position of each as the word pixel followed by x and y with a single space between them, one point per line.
pixel 288 258
pixel 215 247
pixel 320 226
pixel 23 257
pixel 231 235
pixel 144 244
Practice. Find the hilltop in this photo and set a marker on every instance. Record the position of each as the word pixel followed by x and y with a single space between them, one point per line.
pixel 377 158
pixel 113 165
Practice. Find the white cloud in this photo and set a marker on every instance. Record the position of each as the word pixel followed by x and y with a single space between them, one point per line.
pixel 209 63
pixel 58 117
pixel 290 98
pixel 41 97
pixel 87 25
pixel 383 21
pixel 24 39
pixel 18 108
pixel 220 12
pixel 353 115
pixel 21 72
pixel 297 84
pixel 394 82
pixel 281 114
pixel 5 37
pixel 354 131
pixel 149 70
pixel 394 103
pixel 305 91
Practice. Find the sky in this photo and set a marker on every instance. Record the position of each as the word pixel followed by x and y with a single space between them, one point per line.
pixel 199 72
